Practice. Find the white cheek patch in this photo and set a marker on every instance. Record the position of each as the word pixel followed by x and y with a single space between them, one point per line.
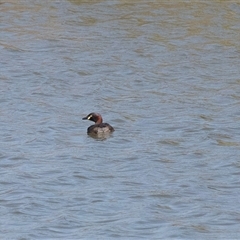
pixel 89 117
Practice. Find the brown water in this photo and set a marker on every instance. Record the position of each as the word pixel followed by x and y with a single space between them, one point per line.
pixel 165 75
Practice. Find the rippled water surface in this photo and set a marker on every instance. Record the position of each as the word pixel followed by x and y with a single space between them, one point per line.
pixel 166 75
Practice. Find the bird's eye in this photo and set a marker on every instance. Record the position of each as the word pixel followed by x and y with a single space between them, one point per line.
pixel 89 117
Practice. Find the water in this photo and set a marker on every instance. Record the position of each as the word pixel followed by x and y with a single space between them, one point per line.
pixel 165 75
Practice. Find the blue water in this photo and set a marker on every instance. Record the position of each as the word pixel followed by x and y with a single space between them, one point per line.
pixel 166 76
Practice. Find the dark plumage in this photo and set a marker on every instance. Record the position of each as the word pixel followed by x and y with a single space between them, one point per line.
pixel 99 127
